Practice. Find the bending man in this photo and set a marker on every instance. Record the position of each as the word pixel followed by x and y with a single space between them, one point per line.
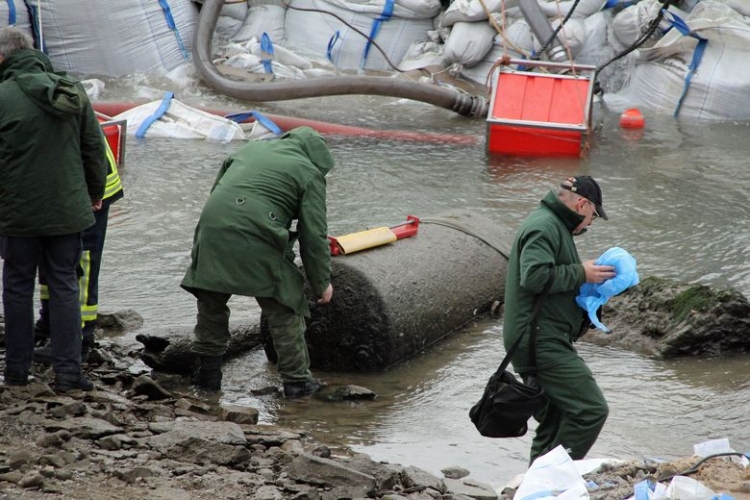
pixel 243 245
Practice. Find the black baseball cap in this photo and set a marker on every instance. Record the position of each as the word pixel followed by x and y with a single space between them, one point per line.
pixel 586 186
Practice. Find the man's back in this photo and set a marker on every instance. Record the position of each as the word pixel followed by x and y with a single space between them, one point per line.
pixel 52 158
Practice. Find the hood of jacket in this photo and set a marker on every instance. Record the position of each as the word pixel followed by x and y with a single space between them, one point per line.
pixel 53 92
pixel 313 145
pixel 569 218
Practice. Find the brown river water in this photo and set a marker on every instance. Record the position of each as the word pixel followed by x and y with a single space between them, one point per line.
pixel 676 198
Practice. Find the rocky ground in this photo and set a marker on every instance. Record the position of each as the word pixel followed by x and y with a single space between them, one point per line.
pixel 138 435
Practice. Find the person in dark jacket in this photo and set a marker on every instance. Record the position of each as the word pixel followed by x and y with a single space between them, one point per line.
pixel 52 178
pixel 92 241
pixel 243 245
pixel 576 409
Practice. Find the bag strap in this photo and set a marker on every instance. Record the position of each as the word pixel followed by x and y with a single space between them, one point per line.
pixel 533 326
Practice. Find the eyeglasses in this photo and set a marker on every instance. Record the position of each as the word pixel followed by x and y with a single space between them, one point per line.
pixel 595 215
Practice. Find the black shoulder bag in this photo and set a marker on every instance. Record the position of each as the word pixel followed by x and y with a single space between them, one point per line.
pixel 507 403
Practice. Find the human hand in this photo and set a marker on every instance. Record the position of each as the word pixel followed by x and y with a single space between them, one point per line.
pixel 325 297
pixel 96 205
pixel 598 274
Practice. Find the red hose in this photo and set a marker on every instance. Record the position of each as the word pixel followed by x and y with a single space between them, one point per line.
pixel 286 123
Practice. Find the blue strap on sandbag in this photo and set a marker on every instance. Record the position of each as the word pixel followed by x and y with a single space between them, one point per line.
pixel 266 49
pixel 173 26
pixel 331 43
pixel 680 25
pixel 163 107
pixel 594 295
pixel 11 13
pixel 34 17
pixel 384 16
pixel 260 117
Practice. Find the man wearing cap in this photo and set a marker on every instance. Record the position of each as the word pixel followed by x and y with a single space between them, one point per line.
pixel 576 409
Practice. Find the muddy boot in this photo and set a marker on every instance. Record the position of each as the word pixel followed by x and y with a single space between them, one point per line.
pixel 65 382
pixel 294 390
pixel 208 375
pixel 87 344
pixel 16 378
pixel 43 354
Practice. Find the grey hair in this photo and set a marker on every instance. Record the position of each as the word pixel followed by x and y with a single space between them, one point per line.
pixel 12 40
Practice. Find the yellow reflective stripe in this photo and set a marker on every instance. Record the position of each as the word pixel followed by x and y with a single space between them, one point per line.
pixel 44 292
pixel 83 281
pixel 88 312
pixel 113 178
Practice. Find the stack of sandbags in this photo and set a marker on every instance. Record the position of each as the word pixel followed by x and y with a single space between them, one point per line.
pixel 334 29
pixel 700 71
pixel 481 32
pixel 116 38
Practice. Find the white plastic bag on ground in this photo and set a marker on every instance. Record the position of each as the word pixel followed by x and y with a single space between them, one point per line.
pixel 553 475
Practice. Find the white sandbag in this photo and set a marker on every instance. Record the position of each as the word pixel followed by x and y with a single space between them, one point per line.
pixel 632 22
pixel 118 38
pixel 741 6
pixel 474 10
pixel 572 36
pixel 720 85
pixel 717 91
pixel 584 9
pixel 281 55
pixel 482 72
pixel 324 35
pixel 15 13
pixel 235 10
pixel 469 43
pixel 423 54
pixel 179 121
pixel 406 9
pixel 519 38
pixel 265 18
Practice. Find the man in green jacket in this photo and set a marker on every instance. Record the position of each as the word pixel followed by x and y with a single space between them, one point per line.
pixel 243 245
pixel 576 409
pixel 52 178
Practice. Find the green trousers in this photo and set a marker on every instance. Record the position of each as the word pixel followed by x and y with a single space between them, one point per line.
pixel 576 409
pixel 211 332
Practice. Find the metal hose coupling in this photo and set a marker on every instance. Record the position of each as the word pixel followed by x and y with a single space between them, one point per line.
pixel 474 106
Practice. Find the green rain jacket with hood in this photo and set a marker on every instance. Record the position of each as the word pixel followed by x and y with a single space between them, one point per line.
pixel 543 245
pixel 243 244
pixel 52 155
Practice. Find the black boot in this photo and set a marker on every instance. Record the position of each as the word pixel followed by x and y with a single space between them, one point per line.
pixel 208 375
pixel 65 382
pixel 294 390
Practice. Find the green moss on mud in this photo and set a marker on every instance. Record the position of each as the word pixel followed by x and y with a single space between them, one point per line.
pixel 688 298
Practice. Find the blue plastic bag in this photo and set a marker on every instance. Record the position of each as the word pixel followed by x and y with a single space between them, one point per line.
pixel 593 295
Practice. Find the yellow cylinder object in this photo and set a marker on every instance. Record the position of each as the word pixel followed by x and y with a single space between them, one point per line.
pixel 354 242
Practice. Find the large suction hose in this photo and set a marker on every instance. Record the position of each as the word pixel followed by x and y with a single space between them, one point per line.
pixel 463 104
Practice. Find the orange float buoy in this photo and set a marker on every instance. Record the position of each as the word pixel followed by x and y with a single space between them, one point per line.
pixel 632 118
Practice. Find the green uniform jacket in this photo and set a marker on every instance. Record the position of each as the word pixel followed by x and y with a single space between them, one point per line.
pixel 544 239
pixel 243 244
pixel 52 154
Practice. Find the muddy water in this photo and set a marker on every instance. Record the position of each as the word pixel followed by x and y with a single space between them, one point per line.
pixel 677 200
